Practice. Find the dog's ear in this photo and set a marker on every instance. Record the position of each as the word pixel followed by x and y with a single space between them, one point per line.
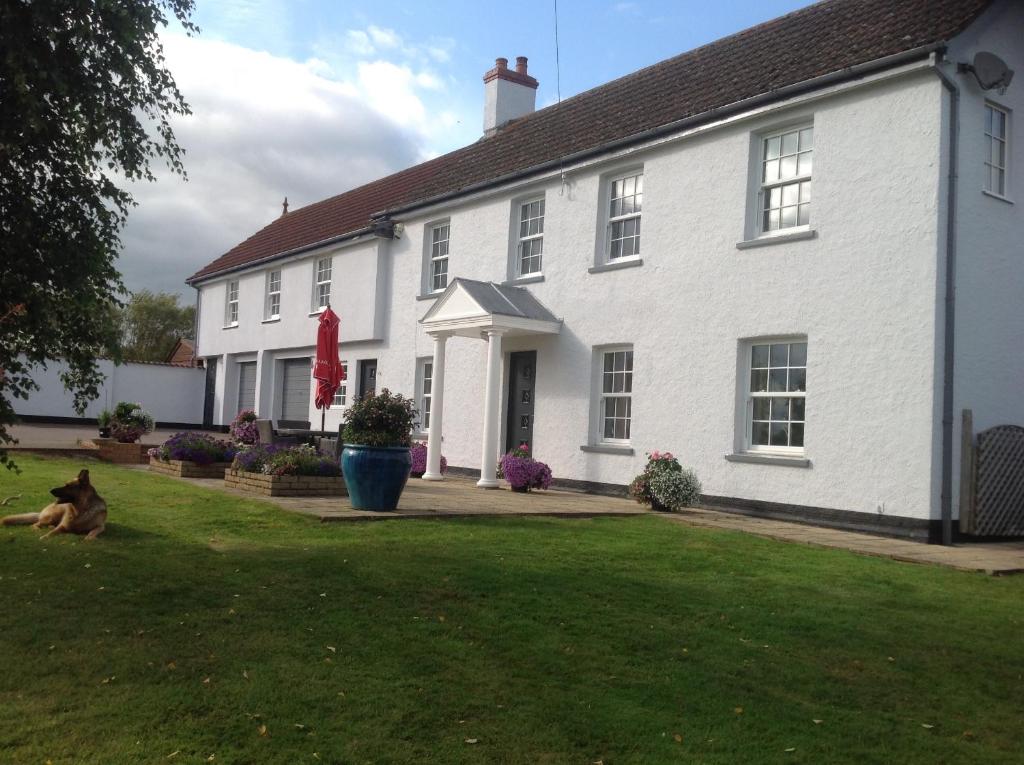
pixel 83 477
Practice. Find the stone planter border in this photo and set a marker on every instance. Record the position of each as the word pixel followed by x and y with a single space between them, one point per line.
pixel 188 469
pixel 286 485
pixel 110 450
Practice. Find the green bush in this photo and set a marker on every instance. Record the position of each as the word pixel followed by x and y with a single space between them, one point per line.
pixel 383 419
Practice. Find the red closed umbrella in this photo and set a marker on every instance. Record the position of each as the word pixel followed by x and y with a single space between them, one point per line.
pixel 327 367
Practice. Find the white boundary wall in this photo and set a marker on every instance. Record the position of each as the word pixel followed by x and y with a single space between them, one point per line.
pixel 169 393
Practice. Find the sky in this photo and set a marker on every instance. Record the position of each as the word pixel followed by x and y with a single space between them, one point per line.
pixel 310 98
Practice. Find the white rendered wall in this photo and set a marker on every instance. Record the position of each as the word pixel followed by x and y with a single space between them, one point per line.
pixel 862 292
pixel 169 393
pixel 989 371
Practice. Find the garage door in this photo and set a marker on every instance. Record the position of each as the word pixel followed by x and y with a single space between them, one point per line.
pixel 247 386
pixel 295 390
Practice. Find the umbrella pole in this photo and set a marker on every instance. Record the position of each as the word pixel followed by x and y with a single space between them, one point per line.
pixel 323 418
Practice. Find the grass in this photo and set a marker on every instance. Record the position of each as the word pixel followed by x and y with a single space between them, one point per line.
pixel 204 628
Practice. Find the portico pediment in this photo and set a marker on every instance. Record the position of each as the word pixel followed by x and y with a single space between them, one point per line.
pixel 469 307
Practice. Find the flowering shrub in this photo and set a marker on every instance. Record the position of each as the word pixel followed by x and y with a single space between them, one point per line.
pixel 201 448
pixel 243 427
pixel 130 422
pixel 285 460
pixel 418 452
pixel 522 471
pixel 382 419
pixel 665 484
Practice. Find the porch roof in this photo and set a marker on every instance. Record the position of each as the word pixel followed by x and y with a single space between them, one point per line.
pixel 469 307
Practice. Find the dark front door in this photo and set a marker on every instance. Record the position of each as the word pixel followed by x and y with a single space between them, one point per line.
pixel 211 391
pixel 522 377
pixel 367 377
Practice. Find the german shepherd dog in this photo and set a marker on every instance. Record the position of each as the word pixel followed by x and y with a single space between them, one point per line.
pixel 78 510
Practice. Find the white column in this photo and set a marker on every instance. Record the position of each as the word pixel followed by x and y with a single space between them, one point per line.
pixel 489 457
pixel 434 433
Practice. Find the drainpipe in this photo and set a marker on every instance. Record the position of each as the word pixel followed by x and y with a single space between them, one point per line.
pixel 949 328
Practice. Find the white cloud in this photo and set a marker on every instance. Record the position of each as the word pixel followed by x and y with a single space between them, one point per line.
pixel 384 38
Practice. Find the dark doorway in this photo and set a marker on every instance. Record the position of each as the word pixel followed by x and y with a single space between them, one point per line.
pixel 522 378
pixel 211 391
pixel 367 377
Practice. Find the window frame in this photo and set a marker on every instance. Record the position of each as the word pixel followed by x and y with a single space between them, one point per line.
pixel 601 396
pixel 518 208
pixel 430 259
pixel 231 302
pixel 749 396
pixel 763 187
pixel 989 139
pixel 424 399
pixel 318 282
pixel 269 314
pixel 342 391
pixel 609 220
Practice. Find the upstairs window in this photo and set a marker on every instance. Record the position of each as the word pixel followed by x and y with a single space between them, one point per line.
pixel 785 188
pixel 272 309
pixel 626 196
pixel 531 237
pixel 322 284
pixel 341 395
pixel 439 239
pixel 231 306
pixel 997 123
pixel 776 395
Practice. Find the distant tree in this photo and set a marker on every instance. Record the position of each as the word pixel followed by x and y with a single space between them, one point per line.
pixel 85 103
pixel 152 323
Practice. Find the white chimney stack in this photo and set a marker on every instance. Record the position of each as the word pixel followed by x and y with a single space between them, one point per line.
pixel 508 94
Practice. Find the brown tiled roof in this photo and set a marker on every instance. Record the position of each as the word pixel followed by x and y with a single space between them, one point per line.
pixel 828 37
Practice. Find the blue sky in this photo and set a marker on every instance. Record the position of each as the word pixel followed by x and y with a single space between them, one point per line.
pixel 309 98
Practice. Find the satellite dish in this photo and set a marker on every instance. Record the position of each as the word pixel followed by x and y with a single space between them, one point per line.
pixel 989 70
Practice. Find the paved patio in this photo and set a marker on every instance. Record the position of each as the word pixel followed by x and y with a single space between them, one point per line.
pixel 70 437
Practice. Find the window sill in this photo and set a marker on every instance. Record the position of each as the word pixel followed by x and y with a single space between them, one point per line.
pixel 230 326
pixel 1000 197
pixel 530 279
pixel 273 320
pixel 769 459
pixel 789 236
pixel 418 436
pixel 430 295
pixel 615 265
pixel 626 451
pixel 317 312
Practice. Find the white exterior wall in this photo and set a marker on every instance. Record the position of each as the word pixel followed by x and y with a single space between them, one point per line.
pixel 169 393
pixel 989 364
pixel 863 292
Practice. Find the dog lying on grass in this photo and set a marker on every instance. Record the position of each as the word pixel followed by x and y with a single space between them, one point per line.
pixel 78 510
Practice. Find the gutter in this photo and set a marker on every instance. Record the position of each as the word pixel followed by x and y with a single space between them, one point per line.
pixel 798 88
pixel 949 318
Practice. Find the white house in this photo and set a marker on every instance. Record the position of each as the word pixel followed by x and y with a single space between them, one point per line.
pixel 791 257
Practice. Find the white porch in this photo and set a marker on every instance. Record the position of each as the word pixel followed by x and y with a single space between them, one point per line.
pixel 490 312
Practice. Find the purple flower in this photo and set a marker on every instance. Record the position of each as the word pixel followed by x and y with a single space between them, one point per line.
pixel 418 452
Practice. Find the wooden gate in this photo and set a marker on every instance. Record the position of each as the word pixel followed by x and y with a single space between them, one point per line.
pixel 992 481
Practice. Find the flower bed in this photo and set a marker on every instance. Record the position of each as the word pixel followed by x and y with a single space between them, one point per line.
pixel 286 485
pixel 192 455
pixel 285 471
pixel 522 471
pixel 186 469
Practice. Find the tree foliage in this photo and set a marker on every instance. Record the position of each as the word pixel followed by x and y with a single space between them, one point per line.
pixel 151 323
pixel 85 104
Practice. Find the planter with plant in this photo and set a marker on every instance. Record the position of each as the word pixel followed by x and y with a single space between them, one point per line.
pixel 522 471
pixel 130 422
pixel 666 485
pixel 289 471
pixel 418 454
pixel 192 455
pixel 243 428
pixel 103 420
pixel 375 460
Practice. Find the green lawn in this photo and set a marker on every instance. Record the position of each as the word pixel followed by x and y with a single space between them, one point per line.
pixel 214 629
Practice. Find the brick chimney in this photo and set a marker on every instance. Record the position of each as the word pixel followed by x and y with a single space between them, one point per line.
pixel 508 94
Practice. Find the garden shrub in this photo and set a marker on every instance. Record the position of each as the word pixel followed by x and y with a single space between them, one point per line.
pixel 201 448
pixel 522 471
pixel 665 484
pixel 273 459
pixel 243 428
pixel 381 419
pixel 418 452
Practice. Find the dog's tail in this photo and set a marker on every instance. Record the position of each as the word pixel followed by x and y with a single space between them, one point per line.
pixel 20 520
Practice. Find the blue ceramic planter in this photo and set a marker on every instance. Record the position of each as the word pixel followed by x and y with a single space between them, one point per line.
pixel 375 475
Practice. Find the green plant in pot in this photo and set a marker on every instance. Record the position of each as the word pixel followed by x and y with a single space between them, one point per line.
pixel 375 460
pixel 103 420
